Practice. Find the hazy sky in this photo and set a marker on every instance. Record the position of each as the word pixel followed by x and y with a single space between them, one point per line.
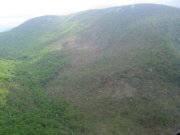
pixel 14 12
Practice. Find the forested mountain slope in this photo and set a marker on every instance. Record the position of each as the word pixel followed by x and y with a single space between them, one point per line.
pixel 108 71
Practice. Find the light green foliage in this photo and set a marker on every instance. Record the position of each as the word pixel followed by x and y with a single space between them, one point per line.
pixel 3 94
pixel 30 112
pixel 7 68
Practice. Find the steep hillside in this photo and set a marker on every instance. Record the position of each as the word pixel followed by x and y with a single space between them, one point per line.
pixel 112 71
pixel 123 72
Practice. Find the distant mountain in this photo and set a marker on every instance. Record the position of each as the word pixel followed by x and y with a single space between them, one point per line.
pixel 113 71
pixel 3 29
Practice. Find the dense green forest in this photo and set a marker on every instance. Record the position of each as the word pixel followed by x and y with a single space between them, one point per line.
pixel 113 71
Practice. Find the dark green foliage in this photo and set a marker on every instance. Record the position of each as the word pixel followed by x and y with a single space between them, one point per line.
pixel 52 119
